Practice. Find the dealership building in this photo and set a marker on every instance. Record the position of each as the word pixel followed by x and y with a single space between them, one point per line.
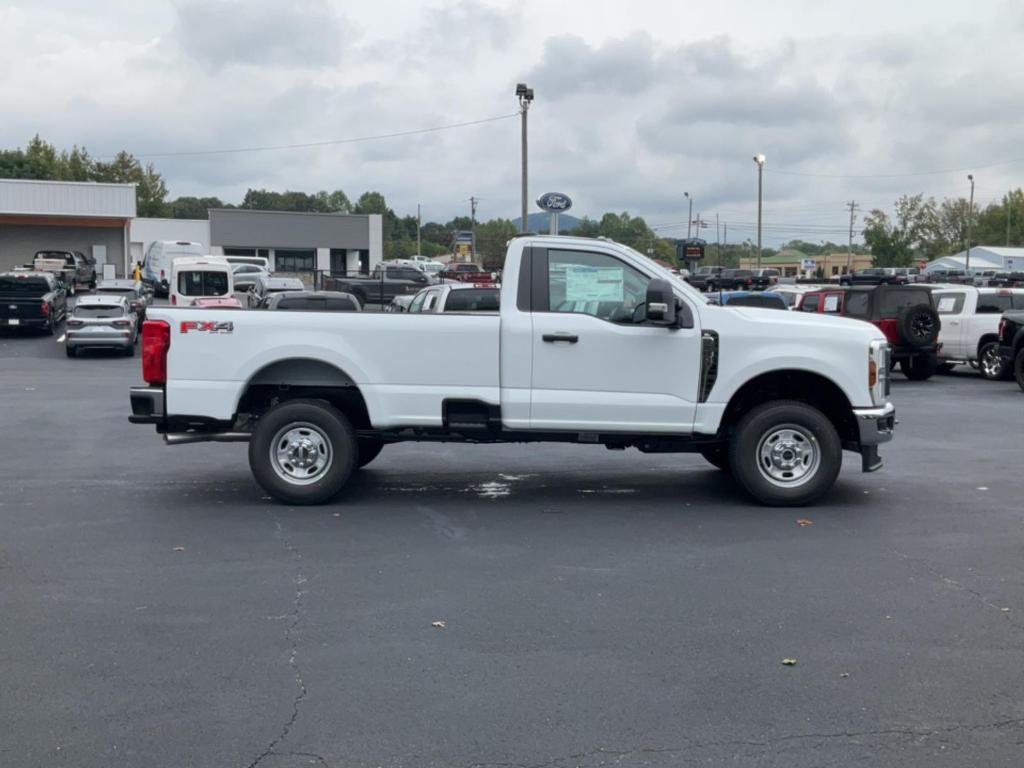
pixel 99 219
pixel 65 216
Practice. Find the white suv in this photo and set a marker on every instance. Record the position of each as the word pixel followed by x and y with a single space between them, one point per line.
pixel 970 326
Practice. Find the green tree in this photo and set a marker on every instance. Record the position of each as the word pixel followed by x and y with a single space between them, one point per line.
pixel 587 227
pixel 372 202
pixel 914 232
pixel 40 159
pixel 491 239
pixel 194 207
pixel 75 165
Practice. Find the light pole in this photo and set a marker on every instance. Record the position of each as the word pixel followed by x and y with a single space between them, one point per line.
pixel 970 219
pixel 525 97
pixel 419 227
pixel 759 159
pixel 689 216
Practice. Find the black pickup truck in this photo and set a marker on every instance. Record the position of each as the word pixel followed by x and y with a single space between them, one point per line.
pixel 873 276
pixel 1011 343
pixel 32 300
pixel 381 286
pixel 703 276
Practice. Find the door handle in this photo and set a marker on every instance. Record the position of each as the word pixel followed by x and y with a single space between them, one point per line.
pixel 553 337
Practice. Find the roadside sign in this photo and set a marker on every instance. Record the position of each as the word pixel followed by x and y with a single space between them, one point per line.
pixel 808 265
pixel 554 202
pixel 690 249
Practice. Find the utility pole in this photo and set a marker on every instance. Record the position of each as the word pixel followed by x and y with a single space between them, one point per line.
pixel 1009 211
pixel 419 227
pixel 725 240
pixel 525 97
pixel 718 241
pixel 759 160
pixel 472 218
pixel 689 216
pixel 852 205
pixel 970 221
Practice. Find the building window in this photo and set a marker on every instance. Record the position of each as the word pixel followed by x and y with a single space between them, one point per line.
pixel 294 260
pixel 241 252
pixel 835 270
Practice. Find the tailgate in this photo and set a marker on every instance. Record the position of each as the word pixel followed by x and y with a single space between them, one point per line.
pixel 25 309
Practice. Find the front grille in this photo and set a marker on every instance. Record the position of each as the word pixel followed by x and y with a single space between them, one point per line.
pixel 708 363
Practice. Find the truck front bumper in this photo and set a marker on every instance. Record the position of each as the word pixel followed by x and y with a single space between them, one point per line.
pixel 874 426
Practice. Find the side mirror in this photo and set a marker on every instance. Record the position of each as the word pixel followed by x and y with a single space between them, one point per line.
pixel 661 303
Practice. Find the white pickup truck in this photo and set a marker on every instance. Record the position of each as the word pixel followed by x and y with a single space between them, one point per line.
pixel 970 327
pixel 594 343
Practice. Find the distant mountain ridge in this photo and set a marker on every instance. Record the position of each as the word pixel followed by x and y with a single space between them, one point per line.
pixel 540 221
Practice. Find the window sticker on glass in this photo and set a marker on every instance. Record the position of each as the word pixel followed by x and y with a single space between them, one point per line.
pixel 593 283
pixel 946 303
pixel 832 303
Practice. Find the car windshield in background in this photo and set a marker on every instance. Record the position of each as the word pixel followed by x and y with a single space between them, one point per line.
pixel 116 290
pixel 202 283
pixel 994 303
pixel 472 300
pixel 99 311
pixel 894 302
pixel 23 286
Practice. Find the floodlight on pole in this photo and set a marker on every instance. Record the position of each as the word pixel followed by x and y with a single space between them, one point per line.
pixel 970 220
pixel 759 159
pixel 525 96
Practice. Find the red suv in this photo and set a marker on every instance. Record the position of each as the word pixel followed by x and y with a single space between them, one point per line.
pixel 904 313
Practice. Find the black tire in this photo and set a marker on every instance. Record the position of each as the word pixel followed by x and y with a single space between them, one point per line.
pixel 919 367
pixel 51 326
pixel 360 296
pixel 1018 368
pixel 329 426
pixel 945 368
pixel 70 351
pixel 130 351
pixel 919 325
pixel 991 364
pixel 369 449
pixel 818 442
pixel 717 456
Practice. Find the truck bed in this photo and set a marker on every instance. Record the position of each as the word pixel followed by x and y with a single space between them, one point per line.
pixel 408 364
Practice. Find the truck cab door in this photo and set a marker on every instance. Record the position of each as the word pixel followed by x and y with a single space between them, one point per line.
pixel 950 307
pixel 597 366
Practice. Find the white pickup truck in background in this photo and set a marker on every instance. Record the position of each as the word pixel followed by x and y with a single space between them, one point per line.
pixel 594 344
pixel 970 327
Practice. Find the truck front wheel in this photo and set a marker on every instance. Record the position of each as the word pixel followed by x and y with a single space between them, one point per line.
pixel 303 451
pixel 785 453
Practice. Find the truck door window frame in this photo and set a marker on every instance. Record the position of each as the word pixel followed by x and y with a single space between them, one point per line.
pixel 540 282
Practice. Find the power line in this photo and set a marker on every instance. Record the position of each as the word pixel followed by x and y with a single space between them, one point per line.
pixel 895 175
pixel 331 142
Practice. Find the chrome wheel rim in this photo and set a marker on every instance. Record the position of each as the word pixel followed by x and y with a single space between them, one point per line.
pixel 788 455
pixel 301 453
pixel 991 363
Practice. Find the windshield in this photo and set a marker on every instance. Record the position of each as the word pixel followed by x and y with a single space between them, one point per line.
pixel 23 286
pixel 202 283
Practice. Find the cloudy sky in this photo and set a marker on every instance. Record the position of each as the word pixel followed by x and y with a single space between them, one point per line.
pixel 636 102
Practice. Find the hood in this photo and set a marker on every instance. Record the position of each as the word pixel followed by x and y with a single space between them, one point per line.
pixel 792 324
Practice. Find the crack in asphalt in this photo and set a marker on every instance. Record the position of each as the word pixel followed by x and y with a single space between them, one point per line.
pixel 935 573
pixel 619 754
pixel 295 616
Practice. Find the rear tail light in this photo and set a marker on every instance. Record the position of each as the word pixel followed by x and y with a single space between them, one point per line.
pixel 46 309
pixel 161 274
pixel 72 323
pixel 174 299
pixel 1002 328
pixel 156 340
pixel 122 323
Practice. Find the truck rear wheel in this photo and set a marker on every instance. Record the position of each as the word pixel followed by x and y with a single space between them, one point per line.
pixel 785 453
pixel 303 451
pixel 1018 368
pixel 991 364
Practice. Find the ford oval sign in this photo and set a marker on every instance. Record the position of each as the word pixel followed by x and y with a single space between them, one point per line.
pixel 554 202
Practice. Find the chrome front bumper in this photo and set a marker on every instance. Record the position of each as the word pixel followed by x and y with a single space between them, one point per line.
pixel 874 426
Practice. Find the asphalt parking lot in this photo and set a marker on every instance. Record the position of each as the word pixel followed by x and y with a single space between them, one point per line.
pixel 598 608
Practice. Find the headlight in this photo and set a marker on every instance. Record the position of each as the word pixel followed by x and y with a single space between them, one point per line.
pixel 878 372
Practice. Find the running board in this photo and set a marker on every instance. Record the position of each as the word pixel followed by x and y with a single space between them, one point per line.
pixel 183 438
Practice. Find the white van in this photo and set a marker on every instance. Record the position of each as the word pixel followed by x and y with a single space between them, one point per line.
pixel 193 277
pixel 156 265
pixel 258 261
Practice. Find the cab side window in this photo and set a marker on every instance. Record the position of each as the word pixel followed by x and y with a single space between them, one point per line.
pixel 417 302
pixel 594 284
pixel 810 304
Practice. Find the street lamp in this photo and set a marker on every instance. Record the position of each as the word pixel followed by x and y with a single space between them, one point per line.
pixel 525 96
pixel 689 216
pixel 970 219
pixel 759 159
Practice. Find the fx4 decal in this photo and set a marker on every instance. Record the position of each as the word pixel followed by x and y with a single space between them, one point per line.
pixel 207 326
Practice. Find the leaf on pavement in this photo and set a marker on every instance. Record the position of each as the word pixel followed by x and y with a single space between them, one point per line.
pixel 438 624
pixel 179 549
pixel 789 662
pixel 804 522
